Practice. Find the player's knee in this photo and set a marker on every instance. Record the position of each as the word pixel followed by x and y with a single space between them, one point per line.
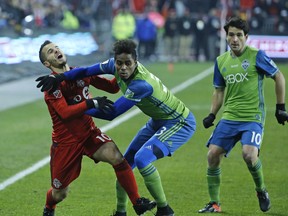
pixel 213 158
pixel 249 158
pixel 147 155
pixel 60 195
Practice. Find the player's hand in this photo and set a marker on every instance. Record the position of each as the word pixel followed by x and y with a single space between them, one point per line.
pixel 101 103
pixel 208 121
pixel 50 82
pixel 281 114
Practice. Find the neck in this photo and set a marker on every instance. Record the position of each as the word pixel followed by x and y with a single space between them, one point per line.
pixel 62 69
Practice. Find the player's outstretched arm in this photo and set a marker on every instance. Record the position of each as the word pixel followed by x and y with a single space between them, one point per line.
pixel 51 82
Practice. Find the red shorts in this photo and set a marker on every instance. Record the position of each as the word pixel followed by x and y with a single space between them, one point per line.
pixel 65 163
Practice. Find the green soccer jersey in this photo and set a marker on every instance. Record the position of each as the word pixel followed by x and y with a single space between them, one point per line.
pixel 243 78
pixel 153 98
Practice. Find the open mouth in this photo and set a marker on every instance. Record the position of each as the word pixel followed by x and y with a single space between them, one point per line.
pixel 59 56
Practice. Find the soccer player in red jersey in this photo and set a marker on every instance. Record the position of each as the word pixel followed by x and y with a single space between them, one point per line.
pixel 75 134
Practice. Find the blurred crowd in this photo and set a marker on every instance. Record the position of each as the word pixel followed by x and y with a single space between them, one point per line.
pixel 169 30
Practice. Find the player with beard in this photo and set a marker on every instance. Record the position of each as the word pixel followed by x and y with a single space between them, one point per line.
pixel 75 135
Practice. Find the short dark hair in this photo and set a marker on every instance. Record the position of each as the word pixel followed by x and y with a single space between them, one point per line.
pixel 127 46
pixel 41 56
pixel 237 22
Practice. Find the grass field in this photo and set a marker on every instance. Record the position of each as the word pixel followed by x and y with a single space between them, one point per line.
pixel 25 139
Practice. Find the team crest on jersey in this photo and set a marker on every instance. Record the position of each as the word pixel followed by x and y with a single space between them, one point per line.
pixel 129 93
pixel 57 183
pixel 57 94
pixel 245 64
pixel 80 83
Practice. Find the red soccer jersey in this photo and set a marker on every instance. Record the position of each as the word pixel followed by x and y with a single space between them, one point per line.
pixel 67 106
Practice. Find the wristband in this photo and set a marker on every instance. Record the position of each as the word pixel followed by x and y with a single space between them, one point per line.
pixel 280 107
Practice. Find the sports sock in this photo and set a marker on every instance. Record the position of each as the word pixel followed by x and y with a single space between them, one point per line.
pixel 50 202
pixel 257 175
pixel 122 198
pixel 153 183
pixel 126 179
pixel 214 179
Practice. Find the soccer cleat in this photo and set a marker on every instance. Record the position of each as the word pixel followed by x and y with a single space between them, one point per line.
pixel 264 201
pixel 211 207
pixel 48 212
pixel 143 205
pixel 119 214
pixel 164 211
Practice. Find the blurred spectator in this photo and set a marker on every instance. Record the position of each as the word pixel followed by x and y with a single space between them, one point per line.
pixel 201 36
pixel 138 6
pixel 186 36
pixel 123 24
pixel 213 28
pixel 70 21
pixel 15 15
pixel 171 36
pixel 146 33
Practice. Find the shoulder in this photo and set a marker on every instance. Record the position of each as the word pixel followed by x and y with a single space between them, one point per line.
pixel 108 65
pixel 222 58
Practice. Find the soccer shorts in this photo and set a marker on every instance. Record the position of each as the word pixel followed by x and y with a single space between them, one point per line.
pixel 160 138
pixel 228 133
pixel 65 162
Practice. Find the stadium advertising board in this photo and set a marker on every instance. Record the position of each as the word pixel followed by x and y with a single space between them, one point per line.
pixel 274 46
pixel 15 51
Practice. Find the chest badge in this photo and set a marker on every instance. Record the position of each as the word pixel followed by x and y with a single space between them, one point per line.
pixel 245 64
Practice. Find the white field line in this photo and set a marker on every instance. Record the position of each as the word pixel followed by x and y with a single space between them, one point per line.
pixel 105 128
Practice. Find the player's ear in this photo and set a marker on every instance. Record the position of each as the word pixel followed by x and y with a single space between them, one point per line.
pixel 46 63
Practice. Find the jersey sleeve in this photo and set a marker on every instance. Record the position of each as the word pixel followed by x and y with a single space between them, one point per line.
pixel 108 85
pixel 106 67
pixel 265 64
pixel 137 90
pixel 218 80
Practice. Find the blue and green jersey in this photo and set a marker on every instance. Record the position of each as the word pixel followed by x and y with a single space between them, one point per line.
pixel 243 77
pixel 151 95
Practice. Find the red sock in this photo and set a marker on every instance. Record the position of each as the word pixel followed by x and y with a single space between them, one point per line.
pixel 127 180
pixel 50 202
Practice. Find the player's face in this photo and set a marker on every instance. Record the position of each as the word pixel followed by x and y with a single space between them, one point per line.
pixel 54 56
pixel 125 65
pixel 236 40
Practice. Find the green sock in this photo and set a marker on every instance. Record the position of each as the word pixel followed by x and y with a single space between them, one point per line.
pixel 122 198
pixel 257 175
pixel 214 179
pixel 153 183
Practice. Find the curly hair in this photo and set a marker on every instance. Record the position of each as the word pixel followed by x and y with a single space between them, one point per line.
pixel 127 46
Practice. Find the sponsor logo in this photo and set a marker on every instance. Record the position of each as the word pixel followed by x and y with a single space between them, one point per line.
pixel 236 78
pixel 85 92
pixel 77 98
